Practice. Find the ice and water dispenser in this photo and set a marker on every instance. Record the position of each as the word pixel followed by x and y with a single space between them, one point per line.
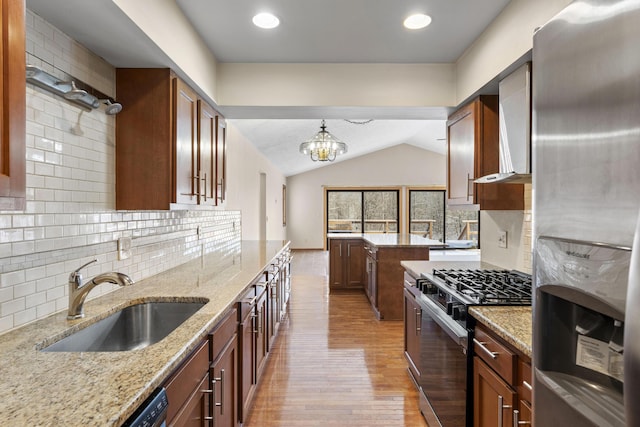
pixel 579 312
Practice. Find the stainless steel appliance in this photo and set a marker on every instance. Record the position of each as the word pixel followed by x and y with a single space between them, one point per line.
pixel 446 336
pixel 586 186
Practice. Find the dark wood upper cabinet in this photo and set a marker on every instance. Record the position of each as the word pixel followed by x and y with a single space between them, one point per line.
pixel 167 143
pixel 13 107
pixel 472 152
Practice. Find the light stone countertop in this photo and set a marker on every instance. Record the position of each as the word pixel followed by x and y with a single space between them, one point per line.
pixel 104 388
pixel 388 239
pixel 512 323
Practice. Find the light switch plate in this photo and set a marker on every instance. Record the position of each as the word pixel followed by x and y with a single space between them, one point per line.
pixel 502 239
pixel 124 248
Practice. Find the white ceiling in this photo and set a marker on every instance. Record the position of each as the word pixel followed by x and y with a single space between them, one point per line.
pixel 327 31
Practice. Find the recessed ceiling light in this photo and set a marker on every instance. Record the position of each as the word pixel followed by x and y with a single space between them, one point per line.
pixel 266 20
pixel 417 21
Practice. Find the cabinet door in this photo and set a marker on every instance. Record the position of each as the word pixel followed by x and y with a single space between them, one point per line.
pixel 223 378
pixel 207 122
pixel 246 363
pixel 493 399
pixel 221 159
pixel 13 106
pixel 260 332
pixel 412 321
pixel 186 145
pixel 336 263
pixel 356 257
pixel 461 134
pixel 196 409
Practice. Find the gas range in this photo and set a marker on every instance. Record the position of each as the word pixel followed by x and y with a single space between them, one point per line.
pixel 453 290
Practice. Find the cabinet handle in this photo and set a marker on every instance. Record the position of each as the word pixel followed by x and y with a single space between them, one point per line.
pixel 214 381
pixel 516 419
pixel 418 313
pixel 501 408
pixel 340 251
pixel 205 187
pixel 491 354
pixel 348 250
pixel 469 185
pixel 527 385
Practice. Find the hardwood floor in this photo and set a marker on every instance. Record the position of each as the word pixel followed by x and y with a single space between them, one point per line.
pixel 333 363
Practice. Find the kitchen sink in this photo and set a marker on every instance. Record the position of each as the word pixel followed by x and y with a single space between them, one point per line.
pixel 131 328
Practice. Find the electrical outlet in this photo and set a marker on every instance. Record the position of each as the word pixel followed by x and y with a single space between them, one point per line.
pixel 124 248
pixel 502 239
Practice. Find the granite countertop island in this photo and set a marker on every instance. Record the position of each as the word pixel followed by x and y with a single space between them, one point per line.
pixel 388 239
pixel 104 388
pixel 512 323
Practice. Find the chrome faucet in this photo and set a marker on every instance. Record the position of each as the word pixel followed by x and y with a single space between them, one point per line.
pixel 78 292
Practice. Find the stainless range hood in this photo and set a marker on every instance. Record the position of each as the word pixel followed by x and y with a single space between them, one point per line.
pixel 515 129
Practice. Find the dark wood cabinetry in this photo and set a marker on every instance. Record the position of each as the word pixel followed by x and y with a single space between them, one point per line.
pixel 224 372
pixel 371 269
pixel 473 151
pixel 412 320
pixel 13 107
pixel 260 310
pixel 501 382
pixel 170 143
pixel 187 390
pixel 346 264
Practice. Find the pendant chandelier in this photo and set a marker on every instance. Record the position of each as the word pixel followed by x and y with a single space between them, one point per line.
pixel 323 147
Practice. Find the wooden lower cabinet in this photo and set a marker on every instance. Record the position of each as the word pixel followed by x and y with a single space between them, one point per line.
pixel 494 399
pixel 186 390
pixel 346 264
pixel 224 372
pixel 412 320
pixel 195 410
pixel 501 382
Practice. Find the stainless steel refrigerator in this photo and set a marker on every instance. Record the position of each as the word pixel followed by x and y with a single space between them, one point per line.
pixel 586 200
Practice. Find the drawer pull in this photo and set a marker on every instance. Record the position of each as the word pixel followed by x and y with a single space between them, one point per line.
pixel 516 419
pixel 492 354
pixel 527 385
pixel 501 408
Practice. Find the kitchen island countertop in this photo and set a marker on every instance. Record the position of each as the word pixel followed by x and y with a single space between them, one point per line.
pixel 104 388
pixel 388 239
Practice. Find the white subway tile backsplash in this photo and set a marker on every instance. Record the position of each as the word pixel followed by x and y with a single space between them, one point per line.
pixel 70 218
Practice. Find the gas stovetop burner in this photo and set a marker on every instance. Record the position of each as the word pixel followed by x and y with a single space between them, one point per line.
pixel 488 286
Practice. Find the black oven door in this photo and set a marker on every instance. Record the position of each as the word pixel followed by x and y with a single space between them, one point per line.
pixel 444 366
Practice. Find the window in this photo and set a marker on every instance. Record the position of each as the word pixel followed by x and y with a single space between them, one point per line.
pixel 357 211
pixel 427 213
pixel 429 217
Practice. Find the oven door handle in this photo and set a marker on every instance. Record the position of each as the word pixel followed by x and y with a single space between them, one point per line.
pixel 450 326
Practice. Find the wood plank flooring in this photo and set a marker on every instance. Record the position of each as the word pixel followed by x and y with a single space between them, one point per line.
pixel 333 363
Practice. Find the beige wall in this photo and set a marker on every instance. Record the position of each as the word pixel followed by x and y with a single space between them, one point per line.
pixel 402 165
pixel 245 163
pixel 508 37
pixel 362 85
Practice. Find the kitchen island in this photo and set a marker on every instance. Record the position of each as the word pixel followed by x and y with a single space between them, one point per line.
pixel 371 262
pixel 105 388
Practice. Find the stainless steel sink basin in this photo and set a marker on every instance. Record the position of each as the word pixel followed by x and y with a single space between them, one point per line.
pixel 133 327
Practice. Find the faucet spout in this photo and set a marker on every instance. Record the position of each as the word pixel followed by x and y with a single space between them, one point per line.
pixel 78 292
